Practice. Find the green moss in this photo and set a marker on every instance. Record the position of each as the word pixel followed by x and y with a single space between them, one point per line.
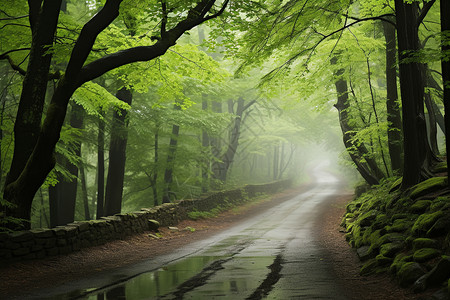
pixel 366 219
pixel 428 186
pixel 396 185
pixel 440 203
pixel 383 260
pixel 400 225
pixel 425 221
pixel 420 243
pixel 399 260
pixel 425 254
pixel 380 221
pixel 390 249
pixel 420 206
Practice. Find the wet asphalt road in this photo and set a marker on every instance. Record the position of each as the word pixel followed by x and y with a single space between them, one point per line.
pixel 274 255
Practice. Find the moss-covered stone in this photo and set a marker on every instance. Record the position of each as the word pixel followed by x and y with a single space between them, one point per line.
pixel 390 249
pixel 420 243
pixel 369 267
pixel 440 167
pixel 425 221
pixel 380 221
pixel 409 273
pixel 419 207
pixel 153 225
pixel 383 260
pixel 428 186
pixel 425 254
pixel 399 261
pixel 440 227
pixel 440 203
pixel 399 225
pixel 366 219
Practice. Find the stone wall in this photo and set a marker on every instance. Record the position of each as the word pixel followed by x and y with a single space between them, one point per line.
pixel 40 243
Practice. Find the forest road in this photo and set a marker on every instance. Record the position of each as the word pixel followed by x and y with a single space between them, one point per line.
pixel 274 255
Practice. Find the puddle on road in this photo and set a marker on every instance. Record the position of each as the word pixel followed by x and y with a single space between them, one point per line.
pixel 238 276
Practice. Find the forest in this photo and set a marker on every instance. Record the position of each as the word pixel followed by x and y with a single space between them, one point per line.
pixel 107 106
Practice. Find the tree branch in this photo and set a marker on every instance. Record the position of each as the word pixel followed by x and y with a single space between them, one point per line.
pixel 423 13
pixel 195 17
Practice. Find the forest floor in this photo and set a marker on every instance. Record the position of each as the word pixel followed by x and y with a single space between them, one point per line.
pixel 24 277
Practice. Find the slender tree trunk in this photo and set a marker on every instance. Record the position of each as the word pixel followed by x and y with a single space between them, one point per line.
pixel 154 180
pixel 100 168
pixel 392 105
pixel 445 27
pixel 216 147
pixel 432 132
pixel 276 156
pixel 168 173
pixel 117 156
pixel 431 82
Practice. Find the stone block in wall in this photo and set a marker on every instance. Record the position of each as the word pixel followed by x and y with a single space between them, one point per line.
pixel 5 253
pixel 42 233
pixel 11 245
pixel 81 225
pixel 21 236
pixel 52 251
pixel 21 251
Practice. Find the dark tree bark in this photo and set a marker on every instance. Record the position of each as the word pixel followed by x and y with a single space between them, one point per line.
pixel 432 128
pixel 415 142
pixel 431 82
pixel 445 27
pixel 30 169
pixel 100 168
pixel 168 173
pixel 84 194
pixel 63 195
pixel 392 105
pixel 117 156
pixel 365 165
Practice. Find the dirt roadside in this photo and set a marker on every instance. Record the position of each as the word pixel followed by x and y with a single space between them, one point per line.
pixel 27 276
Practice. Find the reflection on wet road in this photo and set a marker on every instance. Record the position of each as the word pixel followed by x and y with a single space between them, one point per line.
pixel 271 256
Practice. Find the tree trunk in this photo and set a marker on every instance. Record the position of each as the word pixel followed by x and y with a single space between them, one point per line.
pixel 117 156
pixel 415 140
pixel 100 168
pixel 154 178
pixel 392 105
pixel 84 195
pixel 358 152
pixel 168 173
pixel 63 196
pixel 445 27
pixel 216 147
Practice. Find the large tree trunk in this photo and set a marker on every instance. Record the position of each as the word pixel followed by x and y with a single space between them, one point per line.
pixel 415 142
pixel 445 27
pixel 117 156
pixel 63 196
pixel 392 106
pixel 365 165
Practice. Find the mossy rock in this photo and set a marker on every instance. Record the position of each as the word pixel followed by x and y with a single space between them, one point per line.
pixel 409 273
pixel 420 206
pixel 383 260
pixel 153 225
pixel 401 216
pixel 440 227
pixel 421 243
pixel 399 261
pixel 380 221
pixel 425 254
pixel 400 225
pixel 425 221
pixel 384 239
pixel 368 218
pixel 439 273
pixel 390 249
pixel 370 267
pixel 428 186
pixel 440 203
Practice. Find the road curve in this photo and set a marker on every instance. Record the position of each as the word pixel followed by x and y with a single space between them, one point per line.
pixel 274 255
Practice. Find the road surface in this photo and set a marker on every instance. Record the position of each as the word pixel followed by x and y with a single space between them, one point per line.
pixel 274 255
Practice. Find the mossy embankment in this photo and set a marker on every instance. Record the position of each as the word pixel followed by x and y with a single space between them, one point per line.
pixel 405 233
